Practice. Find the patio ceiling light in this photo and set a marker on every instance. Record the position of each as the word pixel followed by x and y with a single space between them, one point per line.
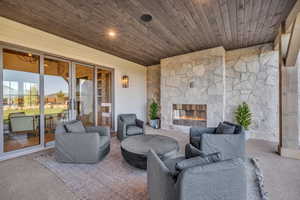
pixel 111 33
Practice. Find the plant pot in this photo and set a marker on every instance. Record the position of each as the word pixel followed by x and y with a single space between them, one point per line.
pixel 154 123
pixel 247 135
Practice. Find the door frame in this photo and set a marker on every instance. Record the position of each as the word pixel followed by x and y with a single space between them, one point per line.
pixel 74 88
pixel 1 102
pixel 72 64
pixel 40 146
pixel 70 93
pixel 112 71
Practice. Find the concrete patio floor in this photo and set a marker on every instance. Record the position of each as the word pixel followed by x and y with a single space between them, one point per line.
pixel 23 178
pixel 282 177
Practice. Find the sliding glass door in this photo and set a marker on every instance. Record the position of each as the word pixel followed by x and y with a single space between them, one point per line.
pixel 84 87
pixel 21 100
pixel 57 98
pixel 104 97
pixel 39 92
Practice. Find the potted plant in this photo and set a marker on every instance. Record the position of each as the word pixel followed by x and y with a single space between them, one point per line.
pixel 243 117
pixel 153 114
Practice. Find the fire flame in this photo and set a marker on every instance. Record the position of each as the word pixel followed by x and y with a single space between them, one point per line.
pixel 191 118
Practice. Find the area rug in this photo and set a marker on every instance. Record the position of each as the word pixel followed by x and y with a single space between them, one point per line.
pixel 114 179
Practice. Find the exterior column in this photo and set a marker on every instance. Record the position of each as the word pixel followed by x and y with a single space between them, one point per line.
pixel 289 144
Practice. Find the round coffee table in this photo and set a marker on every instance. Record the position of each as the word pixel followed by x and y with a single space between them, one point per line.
pixel 135 148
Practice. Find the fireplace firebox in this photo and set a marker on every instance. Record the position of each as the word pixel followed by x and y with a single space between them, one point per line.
pixel 190 114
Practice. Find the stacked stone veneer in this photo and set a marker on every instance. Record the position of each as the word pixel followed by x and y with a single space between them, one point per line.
pixel 251 76
pixel 153 85
pixel 205 70
pixel 223 80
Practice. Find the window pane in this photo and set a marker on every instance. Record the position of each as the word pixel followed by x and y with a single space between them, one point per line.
pixel 104 98
pixel 85 94
pixel 56 84
pixel 20 100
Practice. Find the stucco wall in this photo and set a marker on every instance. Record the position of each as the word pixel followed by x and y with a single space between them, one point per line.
pixel 127 100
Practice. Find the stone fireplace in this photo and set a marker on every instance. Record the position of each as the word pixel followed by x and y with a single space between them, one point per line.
pixel 190 115
pixel 193 89
pixel 221 81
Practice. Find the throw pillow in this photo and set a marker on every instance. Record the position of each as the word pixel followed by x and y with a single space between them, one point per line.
pixel 75 126
pixel 225 129
pixel 191 151
pixel 196 161
pixel 238 128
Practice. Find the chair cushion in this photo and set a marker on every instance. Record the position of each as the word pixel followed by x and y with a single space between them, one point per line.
pixel 74 126
pixel 195 161
pixel 191 151
pixel 22 123
pixel 195 141
pixel 170 164
pixel 104 141
pixel 60 128
pixel 225 129
pixel 134 130
pixel 129 119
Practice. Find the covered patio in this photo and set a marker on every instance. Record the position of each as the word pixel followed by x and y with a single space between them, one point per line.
pixel 129 68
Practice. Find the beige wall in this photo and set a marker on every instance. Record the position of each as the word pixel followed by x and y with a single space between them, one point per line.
pixel 127 100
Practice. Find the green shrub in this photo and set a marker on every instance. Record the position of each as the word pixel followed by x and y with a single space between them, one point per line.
pixel 243 115
pixel 153 112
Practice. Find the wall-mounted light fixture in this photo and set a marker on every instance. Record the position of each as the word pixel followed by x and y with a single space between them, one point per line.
pixel 192 84
pixel 125 81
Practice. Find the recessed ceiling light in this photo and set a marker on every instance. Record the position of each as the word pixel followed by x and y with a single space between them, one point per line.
pixel 111 33
pixel 146 17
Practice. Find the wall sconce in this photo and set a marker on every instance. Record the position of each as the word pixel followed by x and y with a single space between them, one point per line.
pixel 192 84
pixel 125 81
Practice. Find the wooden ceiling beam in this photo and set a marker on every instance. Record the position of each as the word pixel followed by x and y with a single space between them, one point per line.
pixel 292 16
pixel 288 24
pixel 294 44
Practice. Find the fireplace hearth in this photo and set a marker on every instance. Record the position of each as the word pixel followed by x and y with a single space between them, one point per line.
pixel 190 114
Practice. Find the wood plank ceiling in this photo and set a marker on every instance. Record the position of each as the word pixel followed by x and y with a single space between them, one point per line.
pixel 178 26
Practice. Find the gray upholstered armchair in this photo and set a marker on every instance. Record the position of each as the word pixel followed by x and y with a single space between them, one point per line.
pixel 209 140
pixel 129 125
pixel 75 143
pixel 224 180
